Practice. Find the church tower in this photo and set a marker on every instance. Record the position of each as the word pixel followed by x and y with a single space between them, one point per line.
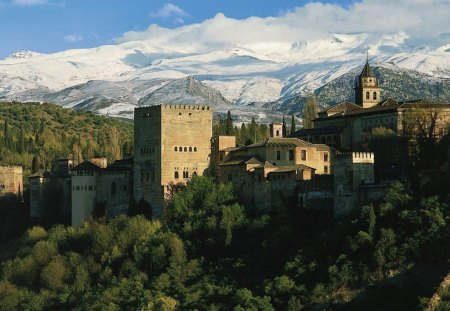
pixel 367 91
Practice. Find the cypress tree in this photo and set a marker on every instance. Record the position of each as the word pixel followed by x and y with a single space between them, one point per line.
pixel 310 112
pixel 293 125
pixel 21 147
pixel 284 127
pixel 35 165
pixel 229 125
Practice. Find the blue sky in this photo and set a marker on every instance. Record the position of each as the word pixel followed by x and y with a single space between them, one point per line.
pixel 53 25
pixel 47 26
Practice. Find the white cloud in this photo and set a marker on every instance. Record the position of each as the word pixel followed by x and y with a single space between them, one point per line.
pixel 73 38
pixel 29 2
pixel 170 10
pixel 420 21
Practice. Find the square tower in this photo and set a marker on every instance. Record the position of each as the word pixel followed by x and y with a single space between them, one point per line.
pixel 367 90
pixel 171 144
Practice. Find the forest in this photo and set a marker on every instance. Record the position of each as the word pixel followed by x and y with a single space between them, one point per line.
pixel 46 132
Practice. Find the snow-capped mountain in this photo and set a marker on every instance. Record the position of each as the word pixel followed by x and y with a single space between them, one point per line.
pixel 251 80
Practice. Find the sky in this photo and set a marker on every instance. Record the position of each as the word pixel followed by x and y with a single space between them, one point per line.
pixel 48 26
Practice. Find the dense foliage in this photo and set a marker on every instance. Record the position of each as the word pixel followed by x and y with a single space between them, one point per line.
pixel 210 254
pixel 48 131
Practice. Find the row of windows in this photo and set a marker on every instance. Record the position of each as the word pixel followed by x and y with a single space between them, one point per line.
pixel 185 174
pixel 148 150
pixel 185 149
pixel 85 188
pixel 290 155
pixel 146 176
pixel 374 95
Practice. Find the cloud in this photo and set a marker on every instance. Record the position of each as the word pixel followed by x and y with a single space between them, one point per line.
pixel 73 38
pixel 170 10
pixel 420 21
pixel 29 2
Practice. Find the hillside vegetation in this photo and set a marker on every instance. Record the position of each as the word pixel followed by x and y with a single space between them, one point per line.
pixel 49 132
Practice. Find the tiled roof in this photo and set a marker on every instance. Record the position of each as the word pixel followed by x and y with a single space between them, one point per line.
pixel 241 160
pixel 292 168
pixel 367 72
pixel 87 166
pixel 317 131
pixel 281 142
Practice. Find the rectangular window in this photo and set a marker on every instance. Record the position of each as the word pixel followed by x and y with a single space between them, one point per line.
pixel 278 155
pixel 325 169
pixel 291 155
pixel 325 157
pixel 303 155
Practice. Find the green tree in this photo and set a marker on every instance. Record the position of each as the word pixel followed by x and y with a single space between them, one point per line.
pixel 292 124
pixel 310 111
pixel 229 124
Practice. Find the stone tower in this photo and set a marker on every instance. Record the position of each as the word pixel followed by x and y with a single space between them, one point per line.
pixel 367 91
pixel 276 130
pixel 172 143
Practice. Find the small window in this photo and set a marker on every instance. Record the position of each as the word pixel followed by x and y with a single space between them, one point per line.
pixel 303 155
pixel 195 149
pixel 325 157
pixel 278 133
pixel 190 149
pixel 291 155
pixel 374 95
pixel 194 174
pixel 367 95
pixel 113 188
pixel 185 149
pixel 176 175
pixel 325 169
pixel 180 149
pixel 176 149
pixel 278 155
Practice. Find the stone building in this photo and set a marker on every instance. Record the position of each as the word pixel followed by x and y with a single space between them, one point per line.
pixel 265 174
pixel 50 192
pixel 345 125
pixel 352 171
pixel 11 182
pixel 103 188
pixel 172 143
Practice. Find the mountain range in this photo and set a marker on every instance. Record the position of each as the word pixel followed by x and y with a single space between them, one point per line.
pixel 262 81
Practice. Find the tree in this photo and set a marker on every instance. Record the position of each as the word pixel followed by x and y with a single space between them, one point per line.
pixel 21 147
pixel 310 111
pixel 292 124
pixel 35 165
pixel 229 125
pixel 284 127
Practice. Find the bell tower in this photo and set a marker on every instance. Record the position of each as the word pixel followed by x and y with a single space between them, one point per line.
pixel 367 90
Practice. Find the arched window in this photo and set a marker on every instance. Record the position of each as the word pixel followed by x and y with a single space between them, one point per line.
pixel 195 149
pixel 190 149
pixel 185 149
pixel 176 175
pixel 367 95
pixel 194 174
pixel 374 95
pixel 176 149
pixel 113 188
pixel 278 133
pixel 180 149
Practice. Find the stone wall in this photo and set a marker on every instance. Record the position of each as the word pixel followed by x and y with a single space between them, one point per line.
pixel 11 181
pixel 172 144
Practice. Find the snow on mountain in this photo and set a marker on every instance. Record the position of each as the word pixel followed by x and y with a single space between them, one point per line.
pixel 113 79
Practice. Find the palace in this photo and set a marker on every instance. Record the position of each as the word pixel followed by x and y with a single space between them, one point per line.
pixel 345 125
pixel 320 168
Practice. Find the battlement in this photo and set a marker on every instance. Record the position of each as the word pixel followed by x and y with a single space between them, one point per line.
pixel 363 157
pixel 356 157
pixel 170 106
pixel 11 169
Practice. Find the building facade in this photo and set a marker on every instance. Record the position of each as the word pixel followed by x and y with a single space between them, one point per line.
pixel 172 143
pixel 11 182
